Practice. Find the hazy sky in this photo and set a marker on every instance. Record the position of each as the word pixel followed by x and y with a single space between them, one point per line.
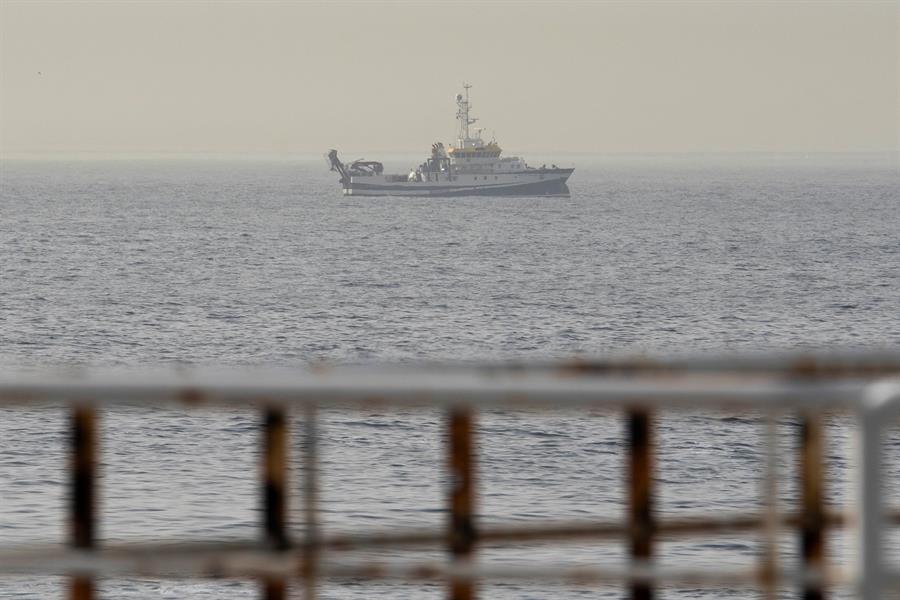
pixel 298 77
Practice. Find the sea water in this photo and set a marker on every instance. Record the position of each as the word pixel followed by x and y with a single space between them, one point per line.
pixel 155 262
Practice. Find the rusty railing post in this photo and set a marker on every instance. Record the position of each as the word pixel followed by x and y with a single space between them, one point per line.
pixel 274 472
pixel 462 498
pixel 812 497
pixel 83 473
pixel 640 497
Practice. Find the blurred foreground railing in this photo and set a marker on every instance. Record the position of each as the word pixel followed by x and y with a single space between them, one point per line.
pixel 805 386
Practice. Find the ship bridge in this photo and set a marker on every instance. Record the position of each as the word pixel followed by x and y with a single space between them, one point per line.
pixel 471 154
pixel 468 146
pixel 489 150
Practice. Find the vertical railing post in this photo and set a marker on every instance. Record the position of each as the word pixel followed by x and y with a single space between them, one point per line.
pixel 871 527
pixel 461 532
pixel 879 406
pixel 640 497
pixel 83 473
pixel 310 564
pixel 274 474
pixel 812 498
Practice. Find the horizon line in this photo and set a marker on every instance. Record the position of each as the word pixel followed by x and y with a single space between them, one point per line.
pixel 150 155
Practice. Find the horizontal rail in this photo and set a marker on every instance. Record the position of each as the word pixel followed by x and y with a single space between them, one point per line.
pixel 21 561
pixel 246 562
pixel 578 530
pixel 454 389
pixel 818 365
pixel 579 575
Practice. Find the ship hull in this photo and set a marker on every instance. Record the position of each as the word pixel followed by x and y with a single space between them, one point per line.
pixel 545 182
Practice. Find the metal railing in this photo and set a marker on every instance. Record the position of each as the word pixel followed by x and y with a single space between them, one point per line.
pixel 807 387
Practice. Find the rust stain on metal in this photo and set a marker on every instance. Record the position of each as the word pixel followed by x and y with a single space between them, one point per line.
pixel 216 570
pixel 581 577
pixel 427 572
pixel 375 403
pixel 83 491
pixel 499 535
pixel 274 471
pixel 81 588
pixel 462 497
pixel 191 397
pixel 812 518
pixel 767 575
pixel 640 495
pixel 274 589
pixel 810 367
pixel 321 368
pixel 84 462
pixel 631 367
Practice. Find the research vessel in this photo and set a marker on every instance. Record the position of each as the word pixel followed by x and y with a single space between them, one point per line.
pixel 471 167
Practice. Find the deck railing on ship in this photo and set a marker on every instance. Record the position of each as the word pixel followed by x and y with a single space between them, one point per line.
pixel 808 387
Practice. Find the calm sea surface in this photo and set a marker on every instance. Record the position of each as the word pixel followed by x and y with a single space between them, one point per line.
pixel 210 262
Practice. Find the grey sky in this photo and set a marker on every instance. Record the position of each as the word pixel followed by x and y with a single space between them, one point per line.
pixel 296 77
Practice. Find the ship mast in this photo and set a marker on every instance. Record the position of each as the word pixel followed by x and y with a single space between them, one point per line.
pixel 462 115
